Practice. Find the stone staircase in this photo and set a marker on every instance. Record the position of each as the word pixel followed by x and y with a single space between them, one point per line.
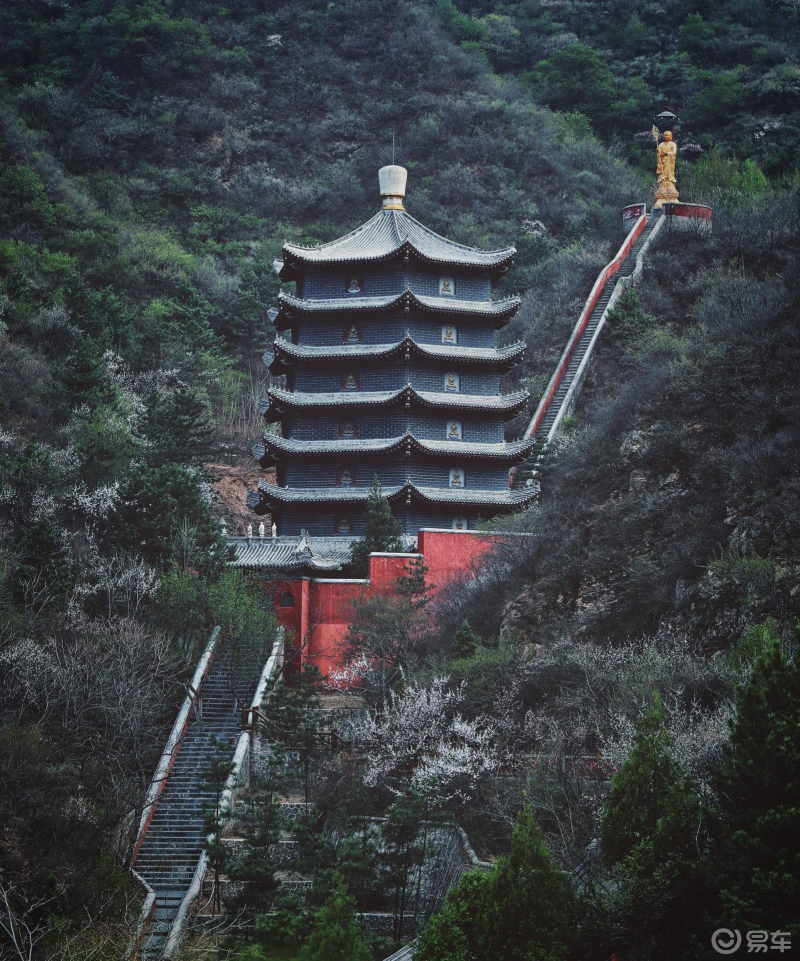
pixel 533 463
pixel 176 836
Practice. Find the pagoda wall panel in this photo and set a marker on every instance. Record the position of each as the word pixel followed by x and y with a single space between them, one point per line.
pixel 319 521
pixel 393 376
pixel 373 425
pixel 329 332
pixel 394 474
pixel 387 279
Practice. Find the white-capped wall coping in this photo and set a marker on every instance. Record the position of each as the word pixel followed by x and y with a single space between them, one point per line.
pixel 144 915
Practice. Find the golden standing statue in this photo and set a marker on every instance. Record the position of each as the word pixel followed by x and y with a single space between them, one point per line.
pixel 667 151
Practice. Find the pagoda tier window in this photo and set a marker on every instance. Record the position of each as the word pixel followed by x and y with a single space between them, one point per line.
pixel 345 477
pixel 449 334
pixel 452 382
pixel 351 380
pixel 343 524
pixel 457 477
pixel 460 524
pixel 348 428
pixel 454 430
pixel 351 334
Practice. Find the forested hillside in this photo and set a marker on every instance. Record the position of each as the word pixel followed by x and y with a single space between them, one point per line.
pixel 154 154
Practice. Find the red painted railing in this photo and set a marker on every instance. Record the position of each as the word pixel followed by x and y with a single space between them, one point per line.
pixel 607 272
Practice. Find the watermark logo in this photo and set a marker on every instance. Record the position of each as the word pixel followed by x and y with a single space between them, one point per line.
pixel 725 941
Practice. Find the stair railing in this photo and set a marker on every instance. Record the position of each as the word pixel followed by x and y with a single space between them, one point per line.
pixel 236 779
pixel 159 779
pixel 167 759
pixel 558 374
pixel 619 287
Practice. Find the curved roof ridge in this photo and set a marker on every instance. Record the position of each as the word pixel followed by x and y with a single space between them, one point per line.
pixel 416 225
pixel 385 235
pixel 338 240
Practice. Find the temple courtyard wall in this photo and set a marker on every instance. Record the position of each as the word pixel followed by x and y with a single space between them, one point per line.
pixel 316 611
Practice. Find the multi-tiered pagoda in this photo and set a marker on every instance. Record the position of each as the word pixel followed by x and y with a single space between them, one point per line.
pixel 388 349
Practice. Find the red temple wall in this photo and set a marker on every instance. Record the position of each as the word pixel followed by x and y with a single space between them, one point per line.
pixel 321 610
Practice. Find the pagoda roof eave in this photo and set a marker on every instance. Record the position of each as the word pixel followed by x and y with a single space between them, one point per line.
pixel 271 495
pixel 279 401
pixel 390 233
pixel 499 311
pixel 287 353
pixel 277 448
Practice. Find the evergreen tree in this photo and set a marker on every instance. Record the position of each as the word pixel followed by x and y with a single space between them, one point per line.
pixel 413 585
pixel 756 824
pixel 161 514
pixel 177 428
pixel 521 911
pixel 218 767
pixel 650 836
pixel 335 933
pixel 403 851
pixel 382 531
pixel 256 869
pixel 294 711
pixel 456 932
pixel 85 376
pixel 528 911
pixel 466 642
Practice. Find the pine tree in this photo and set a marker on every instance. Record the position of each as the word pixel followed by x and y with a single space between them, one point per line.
pixel 256 870
pixel 382 531
pixel 177 428
pixel 756 824
pixel 456 932
pixel 335 933
pixel 466 642
pixel 651 835
pixel 521 911
pixel 161 514
pixel 528 912
pixel 413 585
pixel 217 769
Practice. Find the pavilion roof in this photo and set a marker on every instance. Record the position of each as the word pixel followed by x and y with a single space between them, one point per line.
pixel 287 353
pixel 386 235
pixel 280 400
pixel 280 447
pixel 500 311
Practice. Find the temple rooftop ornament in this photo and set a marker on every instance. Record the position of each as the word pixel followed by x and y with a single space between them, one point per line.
pixel 391 233
pixel 392 368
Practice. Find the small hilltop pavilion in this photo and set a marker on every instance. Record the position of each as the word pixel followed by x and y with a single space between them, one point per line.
pixel 391 371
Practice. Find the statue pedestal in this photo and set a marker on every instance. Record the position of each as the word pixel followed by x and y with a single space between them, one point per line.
pixel 666 194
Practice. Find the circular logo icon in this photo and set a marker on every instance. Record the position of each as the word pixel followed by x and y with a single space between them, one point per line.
pixel 725 941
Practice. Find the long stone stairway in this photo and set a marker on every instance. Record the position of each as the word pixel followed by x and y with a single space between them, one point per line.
pixel 176 835
pixel 555 407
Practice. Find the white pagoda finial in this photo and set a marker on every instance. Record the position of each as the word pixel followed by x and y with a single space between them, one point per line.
pixel 392 180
